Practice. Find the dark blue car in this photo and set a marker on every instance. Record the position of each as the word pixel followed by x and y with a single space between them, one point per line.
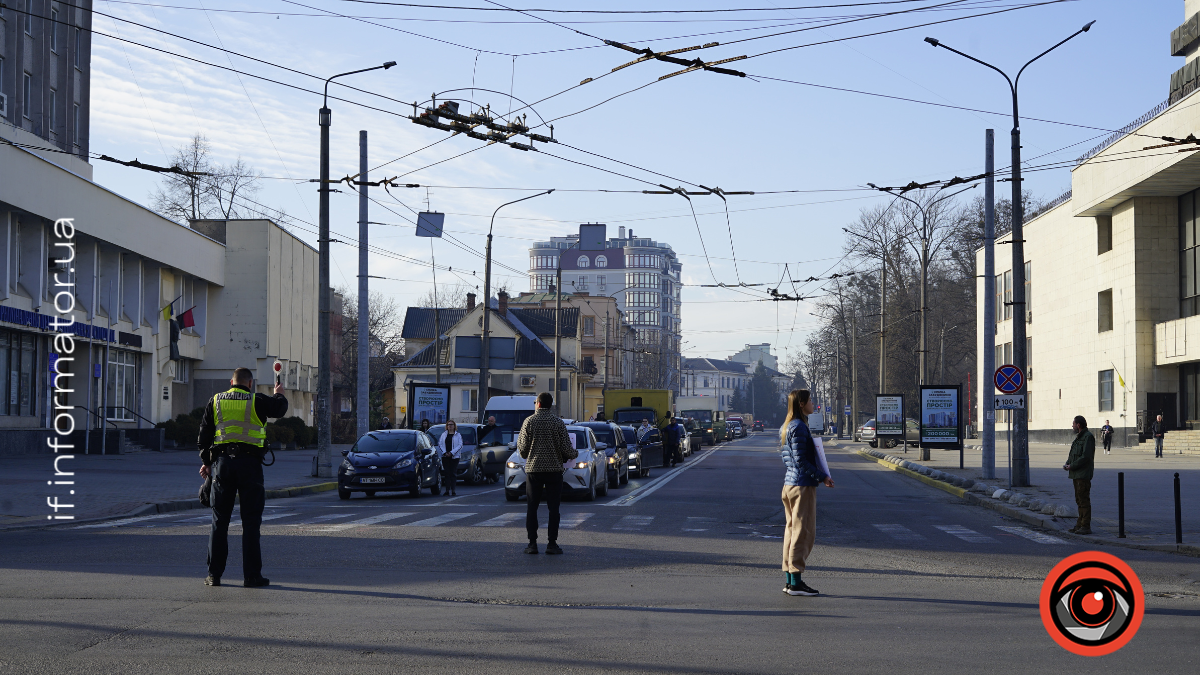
pixel 390 460
pixel 643 454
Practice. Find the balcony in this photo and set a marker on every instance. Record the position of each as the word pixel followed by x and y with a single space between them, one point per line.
pixel 1171 344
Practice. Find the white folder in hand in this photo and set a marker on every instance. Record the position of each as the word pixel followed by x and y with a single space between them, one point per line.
pixel 821 462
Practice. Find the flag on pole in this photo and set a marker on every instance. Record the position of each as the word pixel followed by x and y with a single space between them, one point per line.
pixel 1120 379
pixel 166 313
pixel 186 320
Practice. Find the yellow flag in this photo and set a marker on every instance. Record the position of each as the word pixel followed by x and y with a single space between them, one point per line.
pixel 166 313
pixel 1120 379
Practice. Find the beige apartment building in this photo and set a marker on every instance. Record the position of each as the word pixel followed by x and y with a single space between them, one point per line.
pixel 1113 313
pixel 603 345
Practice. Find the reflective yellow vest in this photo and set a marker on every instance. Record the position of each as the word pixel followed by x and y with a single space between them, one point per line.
pixel 236 420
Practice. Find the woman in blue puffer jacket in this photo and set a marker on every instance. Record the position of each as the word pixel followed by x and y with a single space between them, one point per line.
pixel 799 490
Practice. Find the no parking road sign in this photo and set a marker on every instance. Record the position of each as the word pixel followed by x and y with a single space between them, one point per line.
pixel 1009 379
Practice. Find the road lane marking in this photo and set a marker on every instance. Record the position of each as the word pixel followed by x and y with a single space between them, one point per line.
pixel 571 521
pixel 966 534
pixel 654 484
pixel 123 521
pixel 501 520
pixel 317 520
pixel 1031 535
pixel 698 520
pixel 369 520
pixel 633 523
pixel 439 520
pixel 899 532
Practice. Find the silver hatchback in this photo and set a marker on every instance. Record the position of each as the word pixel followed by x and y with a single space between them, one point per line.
pixel 586 475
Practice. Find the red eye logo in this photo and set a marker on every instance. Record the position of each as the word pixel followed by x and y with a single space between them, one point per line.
pixel 1092 603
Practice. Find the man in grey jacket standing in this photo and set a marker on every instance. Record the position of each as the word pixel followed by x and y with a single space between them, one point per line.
pixel 544 445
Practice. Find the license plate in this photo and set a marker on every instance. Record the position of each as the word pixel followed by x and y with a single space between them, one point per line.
pixel 372 480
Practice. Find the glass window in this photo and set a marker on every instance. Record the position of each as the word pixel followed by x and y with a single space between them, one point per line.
pixel 78 43
pixel 75 124
pixel 601 261
pixel 601 280
pixel 470 400
pixel 589 326
pixel 1008 291
pixel 25 401
pixel 121 388
pixel 1028 287
pixel 582 262
pixel 28 17
pixel 1106 390
pixel 999 286
pixel 1104 310
pixel 26 94
pixel 54 30
pixel 53 110
pixel 4 371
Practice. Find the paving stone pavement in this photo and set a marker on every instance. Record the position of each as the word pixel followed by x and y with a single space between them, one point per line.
pixel 1149 486
pixel 111 485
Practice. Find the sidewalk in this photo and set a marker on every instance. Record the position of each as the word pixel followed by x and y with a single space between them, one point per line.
pixel 116 485
pixel 1149 487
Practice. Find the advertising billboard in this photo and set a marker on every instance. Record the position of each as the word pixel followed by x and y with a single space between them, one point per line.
pixel 940 423
pixel 889 415
pixel 430 402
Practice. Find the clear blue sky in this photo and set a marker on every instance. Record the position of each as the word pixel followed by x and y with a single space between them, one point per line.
pixel 704 128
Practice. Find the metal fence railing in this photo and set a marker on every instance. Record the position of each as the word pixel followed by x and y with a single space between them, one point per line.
pixel 1123 131
pixel 1042 208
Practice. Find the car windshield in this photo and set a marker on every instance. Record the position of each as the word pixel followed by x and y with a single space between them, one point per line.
pixel 603 433
pixel 500 436
pixel 386 442
pixel 704 416
pixel 509 419
pixel 578 438
pixel 630 435
pixel 870 425
pixel 633 416
pixel 467 433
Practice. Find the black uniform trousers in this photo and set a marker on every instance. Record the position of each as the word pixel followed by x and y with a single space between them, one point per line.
pixel 672 455
pixel 539 486
pixel 242 476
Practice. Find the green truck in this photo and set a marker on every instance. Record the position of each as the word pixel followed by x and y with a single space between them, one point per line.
pixel 701 413
pixel 628 407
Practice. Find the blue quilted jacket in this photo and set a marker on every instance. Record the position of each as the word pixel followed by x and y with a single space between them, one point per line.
pixel 800 457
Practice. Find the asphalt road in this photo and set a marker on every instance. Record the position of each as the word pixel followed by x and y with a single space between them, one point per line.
pixel 679 573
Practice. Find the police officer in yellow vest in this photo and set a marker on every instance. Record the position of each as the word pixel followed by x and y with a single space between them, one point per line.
pixel 232 444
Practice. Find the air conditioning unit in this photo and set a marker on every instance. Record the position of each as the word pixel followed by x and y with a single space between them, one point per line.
pixel 1029 316
pixel 529 380
pixel 3 105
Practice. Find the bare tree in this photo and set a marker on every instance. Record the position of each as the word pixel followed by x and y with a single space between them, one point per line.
pixel 215 191
pixel 448 296
pixel 385 319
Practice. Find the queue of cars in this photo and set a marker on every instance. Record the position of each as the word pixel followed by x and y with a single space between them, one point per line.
pixel 866 432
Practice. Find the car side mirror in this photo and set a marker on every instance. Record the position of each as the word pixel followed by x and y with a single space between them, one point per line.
pixel 345 452
pixel 602 446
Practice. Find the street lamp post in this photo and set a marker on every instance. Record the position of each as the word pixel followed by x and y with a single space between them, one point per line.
pixel 1020 447
pixel 485 356
pixel 324 381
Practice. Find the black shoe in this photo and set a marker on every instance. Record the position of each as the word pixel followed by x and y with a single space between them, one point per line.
pixel 257 583
pixel 801 588
pixel 553 549
pixel 531 548
pixel 210 580
pixel 1085 530
pixel 1073 530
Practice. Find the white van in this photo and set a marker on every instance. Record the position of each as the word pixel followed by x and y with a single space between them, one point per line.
pixel 510 411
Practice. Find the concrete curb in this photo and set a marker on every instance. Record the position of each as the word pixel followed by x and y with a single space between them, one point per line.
pixel 174 505
pixel 1037 520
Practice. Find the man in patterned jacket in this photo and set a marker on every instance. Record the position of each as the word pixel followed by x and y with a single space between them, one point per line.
pixel 544 445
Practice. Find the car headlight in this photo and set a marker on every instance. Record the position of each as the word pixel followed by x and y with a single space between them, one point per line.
pixel 612 460
pixel 581 465
pixel 347 467
pixel 633 455
pixel 514 465
pixel 407 461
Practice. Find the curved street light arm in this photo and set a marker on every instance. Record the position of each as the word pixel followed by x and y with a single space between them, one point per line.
pixel 513 202
pixel 325 100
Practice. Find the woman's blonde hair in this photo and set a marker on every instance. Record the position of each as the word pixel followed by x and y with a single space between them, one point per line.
pixel 797 398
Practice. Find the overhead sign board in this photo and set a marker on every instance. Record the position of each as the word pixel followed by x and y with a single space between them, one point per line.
pixel 1010 402
pixel 1009 379
pixel 429 224
pixel 889 415
pixel 468 352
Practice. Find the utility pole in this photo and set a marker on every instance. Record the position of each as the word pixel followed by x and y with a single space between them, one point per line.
pixel 324 380
pixel 1020 439
pixel 853 375
pixel 883 325
pixel 837 364
pixel 986 387
pixel 364 339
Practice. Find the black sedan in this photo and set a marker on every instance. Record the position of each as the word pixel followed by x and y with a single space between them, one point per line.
pixel 616 449
pixel 644 453
pixel 390 460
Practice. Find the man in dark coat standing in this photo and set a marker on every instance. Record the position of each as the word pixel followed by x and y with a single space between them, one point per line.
pixel 1079 467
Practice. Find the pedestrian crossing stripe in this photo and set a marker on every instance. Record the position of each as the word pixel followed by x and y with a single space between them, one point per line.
pixel 966 534
pixel 501 520
pixel 1031 535
pixel 122 521
pixel 439 520
pixel 633 523
pixel 899 532
pixel 369 520
pixel 571 521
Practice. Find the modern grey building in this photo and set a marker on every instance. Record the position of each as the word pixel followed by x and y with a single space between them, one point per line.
pixel 45 70
pixel 641 274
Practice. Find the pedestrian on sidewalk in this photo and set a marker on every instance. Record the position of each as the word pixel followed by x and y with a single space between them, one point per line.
pixel 1080 467
pixel 1159 431
pixel 450 444
pixel 1106 433
pixel 233 435
pixel 545 447
pixel 803 475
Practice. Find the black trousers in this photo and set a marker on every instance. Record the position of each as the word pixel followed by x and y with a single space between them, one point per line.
pixel 1107 442
pixel 237 476
pixel 449 474
pixel 539 486
pixel 672 455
